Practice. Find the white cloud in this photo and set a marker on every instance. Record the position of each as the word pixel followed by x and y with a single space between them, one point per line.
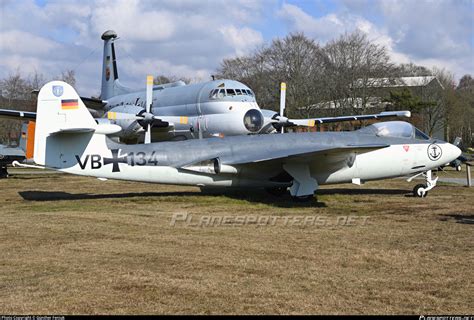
pixel 190 38
pixel 20 42
pixel 175 37
pixel 322 29
pixel 128 18
pixel 243 40
pixel 429 33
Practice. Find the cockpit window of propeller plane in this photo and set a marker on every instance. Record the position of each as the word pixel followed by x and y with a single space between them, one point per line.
pixel 221 93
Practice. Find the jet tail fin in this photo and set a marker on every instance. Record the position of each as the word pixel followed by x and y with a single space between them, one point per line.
pixel 60 110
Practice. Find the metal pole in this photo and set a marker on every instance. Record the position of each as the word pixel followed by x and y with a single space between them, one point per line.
pixel 468 172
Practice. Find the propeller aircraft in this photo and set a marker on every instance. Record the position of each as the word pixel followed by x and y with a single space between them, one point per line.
pixel 178 111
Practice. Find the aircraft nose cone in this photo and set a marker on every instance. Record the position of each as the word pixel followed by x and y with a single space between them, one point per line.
pixel 453 152
pixel 458 152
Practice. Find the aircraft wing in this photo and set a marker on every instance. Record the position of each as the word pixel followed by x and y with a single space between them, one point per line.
pixel 328 153
pixel 16 114
pixel 313 121
pixel 302 155
pixel 8 155
pixel 94 104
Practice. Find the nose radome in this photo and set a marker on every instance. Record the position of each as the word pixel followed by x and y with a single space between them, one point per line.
pixel 453 152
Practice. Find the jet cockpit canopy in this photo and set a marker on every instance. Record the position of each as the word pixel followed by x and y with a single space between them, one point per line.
pixel 395 129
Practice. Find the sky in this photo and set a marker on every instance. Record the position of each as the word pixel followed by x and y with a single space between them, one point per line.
pixel 189 38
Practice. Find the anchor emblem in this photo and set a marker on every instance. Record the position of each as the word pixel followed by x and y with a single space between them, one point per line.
pixel 434 152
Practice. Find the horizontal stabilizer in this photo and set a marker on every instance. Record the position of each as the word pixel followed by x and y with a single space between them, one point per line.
pixel 73 130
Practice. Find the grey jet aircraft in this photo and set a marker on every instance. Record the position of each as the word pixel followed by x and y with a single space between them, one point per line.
pixel 69 140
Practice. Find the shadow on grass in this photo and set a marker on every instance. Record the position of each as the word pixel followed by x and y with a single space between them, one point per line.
pixel 257 196
pixel 460 218
pixel 362 191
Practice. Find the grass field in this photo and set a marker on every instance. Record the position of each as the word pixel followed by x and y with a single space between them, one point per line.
pixel 74 245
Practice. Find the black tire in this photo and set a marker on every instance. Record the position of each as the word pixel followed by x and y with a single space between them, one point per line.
pixel 417 192
pixel 3 173
pixel 306 198
pixel 277 191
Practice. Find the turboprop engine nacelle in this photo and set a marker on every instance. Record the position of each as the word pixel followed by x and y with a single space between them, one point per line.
pixel 248 122
pixel 131 127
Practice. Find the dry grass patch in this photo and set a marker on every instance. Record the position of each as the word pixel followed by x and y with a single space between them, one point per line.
pixel 78 245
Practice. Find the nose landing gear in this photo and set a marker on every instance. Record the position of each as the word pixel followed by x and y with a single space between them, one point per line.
pixel 421 190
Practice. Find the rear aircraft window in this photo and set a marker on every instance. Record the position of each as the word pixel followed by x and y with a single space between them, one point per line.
pixel 230 92
pixel 420 135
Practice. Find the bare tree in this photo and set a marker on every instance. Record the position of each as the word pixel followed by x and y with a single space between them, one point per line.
pixel 294 59
pixel 314 74
pixel 69 76
pixel 411 70
pixel 440 101
pixel 461 117
pixel 16 94
pixel 353 64
pixel 162 79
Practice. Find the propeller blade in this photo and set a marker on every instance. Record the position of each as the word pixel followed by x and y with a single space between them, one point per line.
pixel 148 134
pixel 149 102
pixel 282 100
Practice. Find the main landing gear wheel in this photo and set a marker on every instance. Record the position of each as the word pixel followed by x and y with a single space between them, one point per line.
pixel 276 191
pixel 419 191
pixel 3 173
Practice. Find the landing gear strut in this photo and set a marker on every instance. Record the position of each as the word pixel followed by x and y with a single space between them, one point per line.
pixel 421 190
pixel 304 185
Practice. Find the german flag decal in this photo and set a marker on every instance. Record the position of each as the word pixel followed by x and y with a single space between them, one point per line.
pixel 69 104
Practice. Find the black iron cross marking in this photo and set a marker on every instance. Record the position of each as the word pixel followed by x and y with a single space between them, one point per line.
pixel 115 160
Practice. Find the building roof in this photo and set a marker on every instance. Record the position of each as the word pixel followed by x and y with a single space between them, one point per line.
pixel 356 103
pixel 396 82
